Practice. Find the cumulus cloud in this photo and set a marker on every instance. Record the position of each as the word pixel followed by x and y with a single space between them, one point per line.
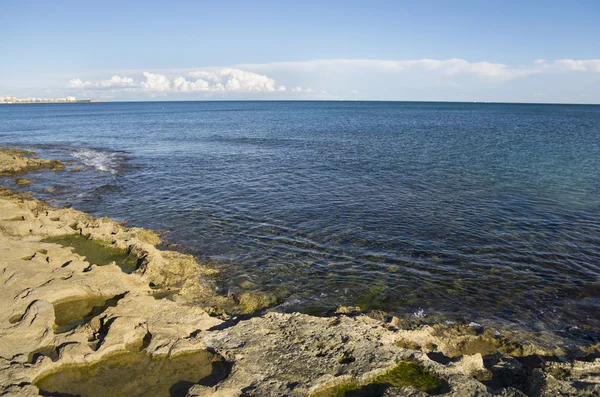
pixel 115 81
pixel 155 82
pixel 227 80
pixel 77 83
pixel 220 80
pixel 182 85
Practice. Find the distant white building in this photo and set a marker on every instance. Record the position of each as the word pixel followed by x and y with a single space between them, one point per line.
pixel 10 98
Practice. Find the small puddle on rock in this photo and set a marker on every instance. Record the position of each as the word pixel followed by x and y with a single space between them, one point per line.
pixel 136 374
pixel 72 313
pixel 98 252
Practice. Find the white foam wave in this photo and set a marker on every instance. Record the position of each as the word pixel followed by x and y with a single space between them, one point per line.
pixel 285 306
pixel 420 313
pixel 99 159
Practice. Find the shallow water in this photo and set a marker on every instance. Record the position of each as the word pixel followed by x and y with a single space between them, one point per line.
pixel 484 212
pixel 96 252
pixel 132 374
pixel 74 312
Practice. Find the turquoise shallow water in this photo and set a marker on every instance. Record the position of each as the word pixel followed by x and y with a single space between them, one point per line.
pixel 473 211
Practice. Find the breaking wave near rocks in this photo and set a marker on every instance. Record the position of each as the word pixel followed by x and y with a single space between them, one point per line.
pixel 100 160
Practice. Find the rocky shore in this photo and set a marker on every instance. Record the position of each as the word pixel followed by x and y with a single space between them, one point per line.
pixel 91 307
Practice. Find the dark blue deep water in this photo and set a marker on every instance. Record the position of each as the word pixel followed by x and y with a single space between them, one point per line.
pixel 482 212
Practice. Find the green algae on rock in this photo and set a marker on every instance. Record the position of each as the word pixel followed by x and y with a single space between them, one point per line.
pixel 97 252
pixel 407 344
pixel 138 374
pixel 373 297
pixel 340 391
pixel 74 312
pixel 404 374
pixel 251 302
pixel 411 374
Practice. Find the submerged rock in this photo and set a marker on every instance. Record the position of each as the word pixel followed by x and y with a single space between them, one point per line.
pixel 22 181
pixel 14 161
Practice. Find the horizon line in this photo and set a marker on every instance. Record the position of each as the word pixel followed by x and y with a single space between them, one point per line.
pixel 97 101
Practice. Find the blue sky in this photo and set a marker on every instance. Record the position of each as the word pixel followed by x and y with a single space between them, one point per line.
pixel 521 51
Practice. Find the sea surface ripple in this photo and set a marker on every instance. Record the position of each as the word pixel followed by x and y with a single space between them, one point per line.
pixel 475 211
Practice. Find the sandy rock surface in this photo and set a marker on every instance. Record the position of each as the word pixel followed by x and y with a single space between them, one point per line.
pixel 72 326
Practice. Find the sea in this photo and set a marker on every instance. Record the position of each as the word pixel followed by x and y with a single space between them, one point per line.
pixel 455 212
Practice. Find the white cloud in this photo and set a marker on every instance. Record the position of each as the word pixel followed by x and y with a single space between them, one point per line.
pixel 227 80
pixel 155 82
pixel 182 85
pixel 220 80
pixel 345 78
pixel 446 67
pixel 115 81
pixel 591 65
pixel 449 67
pixel 300 89
pixel 76 83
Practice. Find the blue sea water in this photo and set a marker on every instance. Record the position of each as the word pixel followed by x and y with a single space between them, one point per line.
pixel 481 212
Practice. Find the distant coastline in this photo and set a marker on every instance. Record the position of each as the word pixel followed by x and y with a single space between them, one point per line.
pixel 12 100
